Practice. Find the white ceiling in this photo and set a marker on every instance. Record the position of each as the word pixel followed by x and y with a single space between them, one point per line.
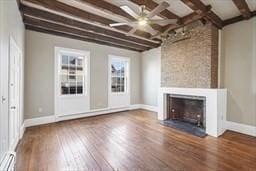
pixel 177 7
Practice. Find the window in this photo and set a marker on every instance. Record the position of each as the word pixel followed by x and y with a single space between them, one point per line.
pixel 72 74
pixel 118 75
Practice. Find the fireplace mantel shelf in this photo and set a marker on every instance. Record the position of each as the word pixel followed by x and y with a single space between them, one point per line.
pixel 216 100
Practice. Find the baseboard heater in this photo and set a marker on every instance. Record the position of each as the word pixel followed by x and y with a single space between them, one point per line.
pixel 8 164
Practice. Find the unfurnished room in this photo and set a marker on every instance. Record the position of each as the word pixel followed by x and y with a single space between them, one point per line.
pixel 128 85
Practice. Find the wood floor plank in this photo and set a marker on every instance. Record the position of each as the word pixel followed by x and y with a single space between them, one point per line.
pixel 132 140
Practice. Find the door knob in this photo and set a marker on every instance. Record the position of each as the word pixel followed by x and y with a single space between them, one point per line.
pixel 13 107
pixel 3 99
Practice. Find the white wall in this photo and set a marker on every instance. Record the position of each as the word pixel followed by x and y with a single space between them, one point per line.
pixel 39 70
pixel 238 59
pixel 150 74
pixel 10 25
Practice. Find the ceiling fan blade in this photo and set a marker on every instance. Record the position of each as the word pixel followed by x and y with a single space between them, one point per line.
pixel 117 24
pixel 158 9
pixel 148 28
pixel 132 31
pixel 129 11
pixel 164 21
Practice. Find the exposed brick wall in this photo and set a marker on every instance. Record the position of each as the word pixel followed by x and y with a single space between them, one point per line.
pixel 214 57
pixel 193 62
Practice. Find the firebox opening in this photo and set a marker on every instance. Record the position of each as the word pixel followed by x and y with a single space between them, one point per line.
pixel 186 113
pixel 189 109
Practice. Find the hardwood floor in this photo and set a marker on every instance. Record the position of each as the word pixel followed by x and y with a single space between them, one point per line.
pixel 132 140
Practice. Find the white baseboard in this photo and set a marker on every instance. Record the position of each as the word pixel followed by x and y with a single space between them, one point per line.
pixel 22 130
pixel 135 106
pixel 39 121
pixel 145 107
pixel 149 107
pixel 52 118
pixel 242 128
pixel 92 113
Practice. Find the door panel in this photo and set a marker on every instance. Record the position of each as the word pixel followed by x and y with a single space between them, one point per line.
pixel 14 94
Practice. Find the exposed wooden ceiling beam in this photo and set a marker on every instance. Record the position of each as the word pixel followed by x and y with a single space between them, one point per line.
pixel 150 5
pixel 106 6
pixel 243 8
pixel 68 35
pixel 63 28
pixel 200 8
pixel 193 17
pixel 237 19
pixel 85 26
pixel 78 13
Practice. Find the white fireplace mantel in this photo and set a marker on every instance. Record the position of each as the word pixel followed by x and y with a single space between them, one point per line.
pixel 216 104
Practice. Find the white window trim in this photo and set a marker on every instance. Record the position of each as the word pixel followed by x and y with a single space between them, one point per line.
pixel 59 50
pixel 127 89
pixel 68 51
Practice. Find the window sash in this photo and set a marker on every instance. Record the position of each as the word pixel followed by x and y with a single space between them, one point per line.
pixel 119 86
pixel 73 85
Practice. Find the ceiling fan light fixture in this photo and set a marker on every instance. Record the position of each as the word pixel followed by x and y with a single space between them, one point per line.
pixel 142 21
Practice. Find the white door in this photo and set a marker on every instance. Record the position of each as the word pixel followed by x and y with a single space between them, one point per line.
pixel 14 94
pixel 72 88
pixel 119 82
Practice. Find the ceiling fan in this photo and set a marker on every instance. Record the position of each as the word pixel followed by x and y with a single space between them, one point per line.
pixel 143 19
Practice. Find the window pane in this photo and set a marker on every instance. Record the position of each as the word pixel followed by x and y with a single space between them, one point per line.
pixel 72 87
pixel 72 65
pixel 72 78
pixel 80 84
pixel 79 87
pixel 64 88
pixel 72 70
pixel 63 78
pixel 114 88
pixel 122 68
pixel 115 67
pixel 122 81
pixel 122 88
pixel 64 64
pixel 118 80
pixel 72 60
pixel 118 88
pixel 80 60
pixel 80 78
pixel 80 65
pixel 114 81
pixel 64 59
